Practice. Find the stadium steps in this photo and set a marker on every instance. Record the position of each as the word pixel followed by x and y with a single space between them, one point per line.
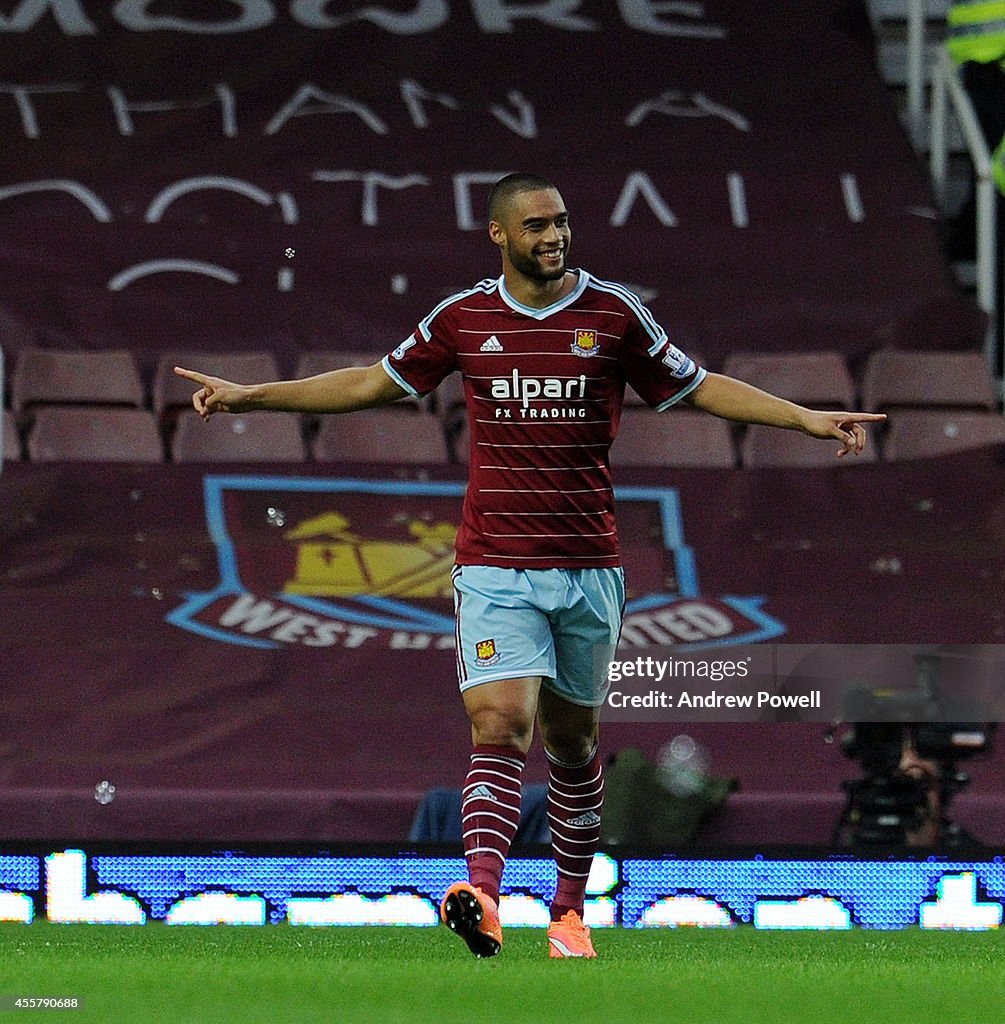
pixel 890 25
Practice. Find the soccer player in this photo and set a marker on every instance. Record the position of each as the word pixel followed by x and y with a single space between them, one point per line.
pixel 544 352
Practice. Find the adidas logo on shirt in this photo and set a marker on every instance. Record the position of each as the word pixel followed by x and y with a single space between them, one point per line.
pixel 590 818
pixel 484 793
pixel 493 344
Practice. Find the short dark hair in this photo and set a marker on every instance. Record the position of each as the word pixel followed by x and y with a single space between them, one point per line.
pixel 511 185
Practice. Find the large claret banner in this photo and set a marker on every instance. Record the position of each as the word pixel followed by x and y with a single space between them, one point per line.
pixel 293 174
pixel 270 654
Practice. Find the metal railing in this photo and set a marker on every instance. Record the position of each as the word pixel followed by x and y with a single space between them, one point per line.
pixel 947 92
pixel 917 71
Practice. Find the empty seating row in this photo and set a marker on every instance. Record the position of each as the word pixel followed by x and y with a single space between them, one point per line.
pixel 891 378
pixel 91 405
pixel 120 434
pixel 685 438
pixel 677 438
pixel 111 377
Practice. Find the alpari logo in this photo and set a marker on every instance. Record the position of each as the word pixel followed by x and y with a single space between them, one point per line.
pixel 526 389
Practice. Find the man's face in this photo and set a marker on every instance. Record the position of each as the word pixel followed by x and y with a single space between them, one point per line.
pixel 533 234
pixel 925 770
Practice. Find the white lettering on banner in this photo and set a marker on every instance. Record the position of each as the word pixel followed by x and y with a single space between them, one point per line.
pixel 637 185
pixel 523 123
pixel 658 17
pixel 69 16
pixel 171 266
pixel 499 15
pixel 328 103
pixel 669 103
pixel 222 93
pixel 136 15
pixel 644 15
pixel 82 193
pixel 852 199
pixel 202 183
pixel 737 200
pixel 253 616
pixel 401 641
pixel 26 108
pixel 414 94
pixel 256 617
pixel 517 113
pixel 689 622
pixel 372 180
pixel 427 16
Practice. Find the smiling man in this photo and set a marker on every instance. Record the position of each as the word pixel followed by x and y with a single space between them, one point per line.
pixel 544 352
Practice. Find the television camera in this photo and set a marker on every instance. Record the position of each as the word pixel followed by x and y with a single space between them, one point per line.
pixel 908 742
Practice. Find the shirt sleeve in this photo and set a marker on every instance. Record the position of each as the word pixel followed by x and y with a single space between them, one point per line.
pixel 423 359
pixel 661 373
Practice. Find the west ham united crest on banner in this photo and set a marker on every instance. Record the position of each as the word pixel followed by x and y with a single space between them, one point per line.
pixel 317 563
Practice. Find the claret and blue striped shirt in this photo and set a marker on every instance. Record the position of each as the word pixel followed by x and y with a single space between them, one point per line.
pixel 544 390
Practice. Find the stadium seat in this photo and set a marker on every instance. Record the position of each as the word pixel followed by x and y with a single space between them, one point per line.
pixel 171 392
pixel 252 437
pixel 764 446
pixel 677 437
pixel 398 433
pixel 73 433
pixel 49 376
pixel 893 377
pixel 924 433
pixel 11 441
pixel 819 379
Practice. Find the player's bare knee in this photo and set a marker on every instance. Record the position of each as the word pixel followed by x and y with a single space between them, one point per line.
pixel 569 747
pixel 502 727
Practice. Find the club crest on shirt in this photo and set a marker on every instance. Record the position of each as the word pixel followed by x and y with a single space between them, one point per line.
pixel 486 653
pixel 585 343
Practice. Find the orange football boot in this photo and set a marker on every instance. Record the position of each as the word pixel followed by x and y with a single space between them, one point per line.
pixel 569 937
pixel 472 915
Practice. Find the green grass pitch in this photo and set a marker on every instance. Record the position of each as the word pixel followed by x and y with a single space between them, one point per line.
pixel 218 975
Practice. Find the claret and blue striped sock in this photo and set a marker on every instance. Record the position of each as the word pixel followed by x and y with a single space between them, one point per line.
pixel 490 813
pixel 575 799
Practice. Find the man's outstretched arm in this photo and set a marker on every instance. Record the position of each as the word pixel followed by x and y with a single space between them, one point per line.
pixel 356 387
pixel 734 400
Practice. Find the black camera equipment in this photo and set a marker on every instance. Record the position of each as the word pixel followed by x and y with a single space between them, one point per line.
pixel 908 742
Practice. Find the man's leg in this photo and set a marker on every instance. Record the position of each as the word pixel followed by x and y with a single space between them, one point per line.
pixel 575 799
pixel 502 726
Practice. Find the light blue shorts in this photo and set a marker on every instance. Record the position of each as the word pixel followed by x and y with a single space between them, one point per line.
pixel 514 623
